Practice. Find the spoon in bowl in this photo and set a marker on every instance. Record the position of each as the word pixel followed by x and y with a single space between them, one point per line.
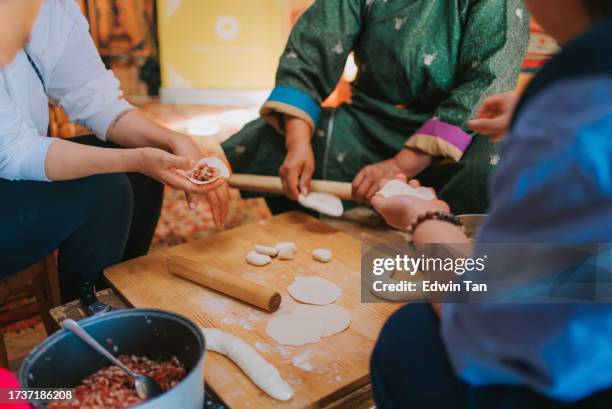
pixel 146 387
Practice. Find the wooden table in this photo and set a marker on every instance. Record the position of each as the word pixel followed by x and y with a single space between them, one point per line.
pixel 332 373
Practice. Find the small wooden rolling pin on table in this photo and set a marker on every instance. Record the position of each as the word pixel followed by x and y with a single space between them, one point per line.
pixel 273 184
pixel 228 284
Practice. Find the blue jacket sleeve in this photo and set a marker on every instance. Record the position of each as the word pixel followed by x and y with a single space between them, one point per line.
pixel 554 185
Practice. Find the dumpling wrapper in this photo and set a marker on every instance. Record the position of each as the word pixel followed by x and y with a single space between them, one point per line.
pixel 324 203
pixel 307 324
pixel 289 329
pixel 214 162
pixel 398 188
pixel 314 290
pixel 334 318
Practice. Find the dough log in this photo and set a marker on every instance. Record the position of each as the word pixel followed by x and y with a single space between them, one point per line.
pixel 261 372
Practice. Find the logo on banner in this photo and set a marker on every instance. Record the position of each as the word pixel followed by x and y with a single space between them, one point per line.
pixel 228 28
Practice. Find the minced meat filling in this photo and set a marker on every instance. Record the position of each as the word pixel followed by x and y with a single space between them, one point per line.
pixel 204 173
pixel 111 388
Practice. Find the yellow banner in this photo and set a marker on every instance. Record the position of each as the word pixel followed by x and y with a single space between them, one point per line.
pixel 221 44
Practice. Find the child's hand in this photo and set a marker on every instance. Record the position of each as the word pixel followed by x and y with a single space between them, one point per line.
pixel 494 115
pixel 401 211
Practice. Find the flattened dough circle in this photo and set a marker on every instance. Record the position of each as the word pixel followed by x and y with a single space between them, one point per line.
pixel 214 162
pixel 334 318
pixel 314 290
pixel 398 188
pixel 289 330
pixel 307 324
pixel 325 203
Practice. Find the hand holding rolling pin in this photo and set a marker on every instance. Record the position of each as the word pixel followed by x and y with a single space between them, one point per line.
pixel 299 165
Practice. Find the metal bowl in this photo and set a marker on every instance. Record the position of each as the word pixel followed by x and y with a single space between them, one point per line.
pixel 473 223
pixel 64 361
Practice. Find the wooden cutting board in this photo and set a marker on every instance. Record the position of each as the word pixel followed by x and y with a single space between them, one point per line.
pixel 319 373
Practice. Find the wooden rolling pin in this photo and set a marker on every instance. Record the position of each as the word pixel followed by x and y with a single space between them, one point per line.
pixel 273 184
pixel 236 287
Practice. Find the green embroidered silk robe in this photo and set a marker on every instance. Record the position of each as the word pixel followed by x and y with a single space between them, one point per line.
pixel 424 67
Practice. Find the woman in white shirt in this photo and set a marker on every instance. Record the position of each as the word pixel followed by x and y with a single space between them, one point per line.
pixel 104 202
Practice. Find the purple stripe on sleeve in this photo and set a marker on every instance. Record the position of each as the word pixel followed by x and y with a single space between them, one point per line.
pixel 447 132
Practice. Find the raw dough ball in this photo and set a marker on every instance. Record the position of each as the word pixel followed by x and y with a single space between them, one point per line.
pixel 314 290
pixel 289 329
pixel 322 255
pixel 324 203
pixel 286 254
pixel 307 324
pixel 286 250
pixel 256 259
pixel 268 251
pixel 286 245
pixel 334 318
pixel 398 188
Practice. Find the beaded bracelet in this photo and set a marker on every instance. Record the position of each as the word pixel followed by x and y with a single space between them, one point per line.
pixel 437 215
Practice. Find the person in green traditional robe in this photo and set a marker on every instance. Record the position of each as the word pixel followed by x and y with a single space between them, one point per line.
pixel 424 68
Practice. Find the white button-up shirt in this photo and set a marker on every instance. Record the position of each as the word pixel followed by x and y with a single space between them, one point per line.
pixel 73 75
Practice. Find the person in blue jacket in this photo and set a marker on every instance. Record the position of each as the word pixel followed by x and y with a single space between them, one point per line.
pixel 553 185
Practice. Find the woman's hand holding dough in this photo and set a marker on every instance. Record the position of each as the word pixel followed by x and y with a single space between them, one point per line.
pixel 183 145
pixel 408 162
pixel 217 198
pixel 134 130
pixel 494 115
pixel 172 170
pixel 401 211
pixel 299 165
pixel 160 165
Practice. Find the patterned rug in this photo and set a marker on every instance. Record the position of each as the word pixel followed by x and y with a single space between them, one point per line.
pixel 24 304
pixel 178 223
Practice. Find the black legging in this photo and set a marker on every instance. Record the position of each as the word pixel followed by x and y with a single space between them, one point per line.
pixel 95 222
